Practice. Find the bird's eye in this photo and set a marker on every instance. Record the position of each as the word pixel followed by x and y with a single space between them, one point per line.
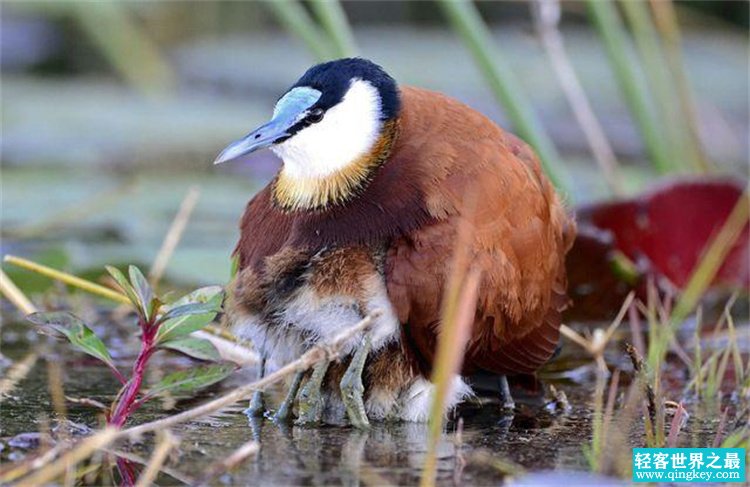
pixel 316 115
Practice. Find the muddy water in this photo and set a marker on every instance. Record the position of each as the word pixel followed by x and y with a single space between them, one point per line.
pixel 533 437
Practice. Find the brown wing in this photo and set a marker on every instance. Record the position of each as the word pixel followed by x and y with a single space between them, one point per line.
pixel 520 236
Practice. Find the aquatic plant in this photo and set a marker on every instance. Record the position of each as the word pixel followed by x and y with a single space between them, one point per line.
pixel 162 325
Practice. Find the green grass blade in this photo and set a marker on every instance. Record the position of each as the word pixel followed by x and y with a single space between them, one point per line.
pixel 333 19
pixel 607 20
pixel 652 55
pixel 547 18
pixel 475 34
pixel 118 35
pixel 713 257
pixel 666 23
pixel 293 17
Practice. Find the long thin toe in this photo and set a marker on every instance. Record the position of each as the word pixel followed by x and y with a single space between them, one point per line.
pixel 310 397
pixel 284 413
pixel 257 406
pixel 310 406
pixel 352 391
pixel 507 398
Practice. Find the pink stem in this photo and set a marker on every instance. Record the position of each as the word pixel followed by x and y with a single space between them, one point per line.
pixel 125 467
pixel 127 403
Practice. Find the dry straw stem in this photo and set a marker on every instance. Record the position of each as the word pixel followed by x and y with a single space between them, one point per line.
pixel 143 461
pixel 310 358
pixel 21 469
pixel 720 429
pixel 233 460
pixel 703 274
pixel 17 372
pixel 174 235
pixel 69 279
pixel 166 444
pixel 103 438
pixel 739 369
pixel 229 348
pixel 705 374
pixel 79 452
pixel 455 331
pixel 607 20
pixel 602 419
pixel 457 318
pixel 500 77
pixel 547 18
pixel 596 345
pixel 642 376
pixel 56 390
pixel 615 439
pixel 15 295
pixel 610 407
pixel 676 426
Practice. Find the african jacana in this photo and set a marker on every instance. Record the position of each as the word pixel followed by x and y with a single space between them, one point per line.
pixel 363 215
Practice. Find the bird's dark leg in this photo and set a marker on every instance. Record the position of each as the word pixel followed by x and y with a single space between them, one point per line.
pixel 257 406
pixel 285 409
pixel 352 388
pixel 310 397
pixel 505 395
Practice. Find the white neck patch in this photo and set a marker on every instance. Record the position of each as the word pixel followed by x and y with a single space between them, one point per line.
pixel 347 131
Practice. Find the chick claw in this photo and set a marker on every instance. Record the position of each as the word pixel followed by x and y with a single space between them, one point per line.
pixel 310 396
pixel 257 407
pixel 285 409
pixel 352 389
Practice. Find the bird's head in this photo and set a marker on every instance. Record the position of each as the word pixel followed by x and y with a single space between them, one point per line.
pixel 331 129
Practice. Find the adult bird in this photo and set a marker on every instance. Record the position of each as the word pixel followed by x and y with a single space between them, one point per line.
pixel 363 215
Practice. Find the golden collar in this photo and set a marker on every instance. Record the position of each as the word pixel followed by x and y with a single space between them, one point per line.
pixel 293 194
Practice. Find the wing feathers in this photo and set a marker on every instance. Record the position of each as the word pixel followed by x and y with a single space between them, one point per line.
pixel 520 237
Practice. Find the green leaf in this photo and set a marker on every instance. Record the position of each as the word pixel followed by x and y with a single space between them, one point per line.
pixel 199 348
pixel 200 295
pixel 142 290
pixel 185 323
pixel 192 309
pixel 75 330
pixel 124 284
pixel 190 380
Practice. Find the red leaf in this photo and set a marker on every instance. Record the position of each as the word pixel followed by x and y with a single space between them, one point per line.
pixel 664 231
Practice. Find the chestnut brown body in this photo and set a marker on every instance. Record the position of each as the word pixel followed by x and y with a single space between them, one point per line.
pixel 399 227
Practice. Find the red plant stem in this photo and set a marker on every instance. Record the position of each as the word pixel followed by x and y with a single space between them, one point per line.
pixel 127 476
pixel 127 403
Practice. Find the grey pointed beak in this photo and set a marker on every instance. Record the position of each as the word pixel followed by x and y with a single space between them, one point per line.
pixel 290 109
pixel 260 138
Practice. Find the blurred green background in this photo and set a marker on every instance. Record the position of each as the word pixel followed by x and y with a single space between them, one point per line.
pixel 112 111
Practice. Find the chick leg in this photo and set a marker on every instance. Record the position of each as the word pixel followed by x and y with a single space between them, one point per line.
pixel 285 409
pixel 257 406
pixel 508 402
pixel 310 397
pixel 352 388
